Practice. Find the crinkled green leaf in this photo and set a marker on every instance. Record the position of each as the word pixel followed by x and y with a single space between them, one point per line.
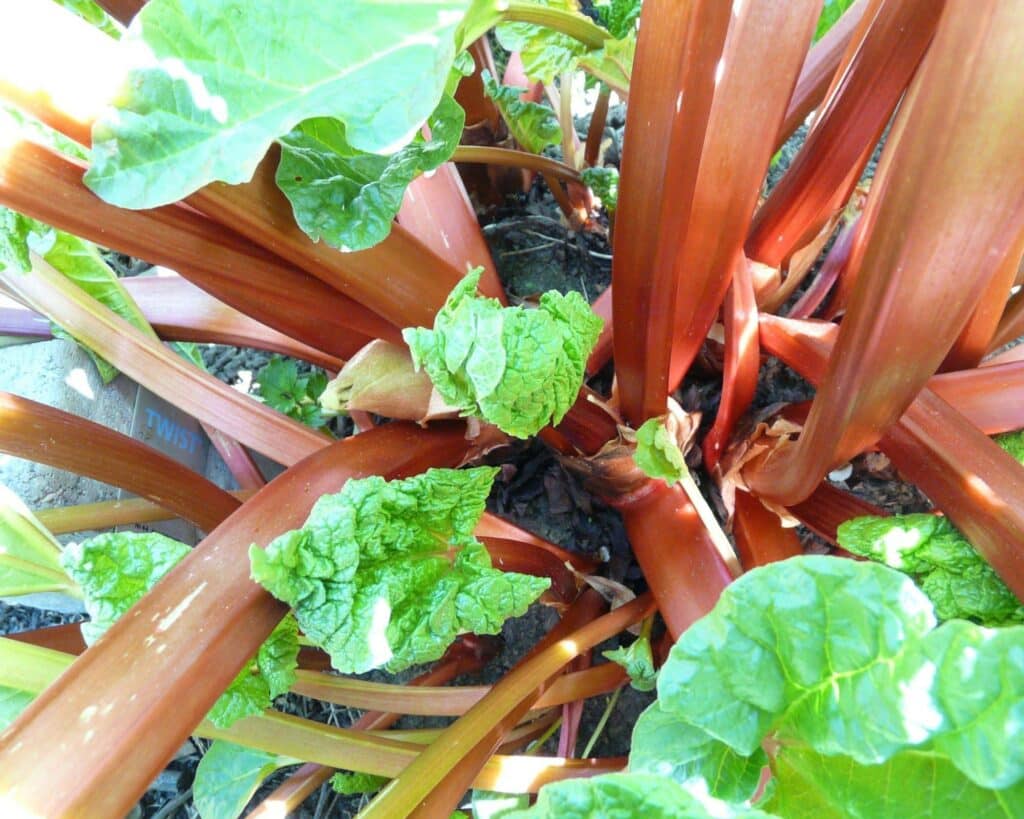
pixel 29 555
pixel 116 569
pixel 914 784
pixel 348 197
pixel 618 16
pixel 638 660
pixel 622 795
pixel 830 14
pixel 352 782
pixel 217 81
pixel 840 665
pixel 534 126
pixel 389 573
pixel 228 775
pixel 12 703
pixel 943 563
pixel 91 12
pixel 604 182
pixel 269 675
pixel 37 131
pixel 281 386
pixel 657 454
pixel 14 232
pixel 545 53
pixel 518 369
pixel 664 745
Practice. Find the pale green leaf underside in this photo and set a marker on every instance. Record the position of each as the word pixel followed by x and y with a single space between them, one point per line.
pixel 388 572
pixel 29 555
pixel 228 775
pixel 348 197
pixel 215 82
pixel 518 369
pixel 80 261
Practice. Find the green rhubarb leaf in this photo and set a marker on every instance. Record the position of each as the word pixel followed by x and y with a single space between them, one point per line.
pixel 830 14
pixel 388 573
pixel 534 126
pixel 518 369
pixel 220 80
pixel 116 569
pixel 30 557
pixel 91 12
pixel 618 16
pixel 545 53
pixel 297 395
pixel 943 563
pixel 12 703
pixel 348 197
pixel 228 775
pixel 657 454
pixel 638 661
pixel 14 232
pixel 664 745
pixel 918 784
pixel 604 182
pixel 353 782
pixel 799 652
pixel 1013 443
pixel 625 795
pixel 268 676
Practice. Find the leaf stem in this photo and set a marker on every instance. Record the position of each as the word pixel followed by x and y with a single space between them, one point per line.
pixel 571 23
pixel 612 701
pixel 510 158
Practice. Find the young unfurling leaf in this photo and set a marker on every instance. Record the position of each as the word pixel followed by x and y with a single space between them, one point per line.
pixel 638 661
pixel 518 369
pixel 657 454
pixel 388 573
